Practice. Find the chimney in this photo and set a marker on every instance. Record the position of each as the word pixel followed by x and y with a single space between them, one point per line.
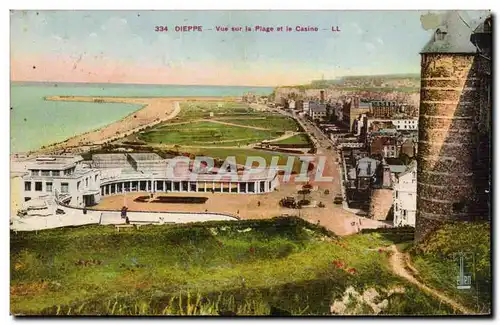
pixel 322 96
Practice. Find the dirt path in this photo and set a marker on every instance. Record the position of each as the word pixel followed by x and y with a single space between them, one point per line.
pixel 400 264
pixel 238 125
pixel 285 136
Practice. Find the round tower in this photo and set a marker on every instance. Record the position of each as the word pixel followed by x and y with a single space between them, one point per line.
pixel 446 147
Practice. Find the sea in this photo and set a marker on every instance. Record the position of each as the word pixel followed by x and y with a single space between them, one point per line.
pixel 35 122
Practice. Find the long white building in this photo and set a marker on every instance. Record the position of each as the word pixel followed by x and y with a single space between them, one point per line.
pixel 405 197
pixel 79 183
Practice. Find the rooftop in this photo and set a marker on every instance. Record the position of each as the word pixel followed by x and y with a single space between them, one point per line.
pixel 315 107
pixel 412 167
pixel 397 168
pixel 145 156
pixel 452 36
pixel 366 167
pixel 53 162
pixel 179 170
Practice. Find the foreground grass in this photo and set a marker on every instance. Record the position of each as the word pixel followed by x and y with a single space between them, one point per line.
pixel 437 264
pixel 246 267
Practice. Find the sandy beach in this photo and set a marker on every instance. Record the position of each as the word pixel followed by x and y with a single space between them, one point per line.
pixel 154 111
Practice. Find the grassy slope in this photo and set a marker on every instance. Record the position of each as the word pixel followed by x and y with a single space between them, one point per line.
pixel 285 263
pixel 437 267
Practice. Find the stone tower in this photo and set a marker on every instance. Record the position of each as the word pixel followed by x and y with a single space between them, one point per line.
pixel 449 103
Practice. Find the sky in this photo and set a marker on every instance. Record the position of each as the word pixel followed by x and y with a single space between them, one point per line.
pixel 123 46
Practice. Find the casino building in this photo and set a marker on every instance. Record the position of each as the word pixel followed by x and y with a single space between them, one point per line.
pixel 80 183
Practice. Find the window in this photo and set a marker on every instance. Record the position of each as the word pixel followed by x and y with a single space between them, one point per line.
pixel 26 199
pixel 35 173
pixel 78 186
pixel 87 182
pixel 45 172
pixel 27 186
pixel 64 188
pixel 48 187
pixel 38 186
pixel 396 194
pixel 56 173
pixel 440 34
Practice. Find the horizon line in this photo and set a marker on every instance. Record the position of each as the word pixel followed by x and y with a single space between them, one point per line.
pixel 126 83
pixel 212 85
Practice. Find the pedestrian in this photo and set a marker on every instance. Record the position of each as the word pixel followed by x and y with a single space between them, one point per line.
pixel 258 203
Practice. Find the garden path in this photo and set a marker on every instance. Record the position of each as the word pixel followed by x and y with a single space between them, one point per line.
pixel 400 263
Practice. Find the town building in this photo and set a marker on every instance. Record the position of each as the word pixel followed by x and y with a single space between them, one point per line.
pixel 306 104
pixel 391 110
pixel 352 109
pixel 66 177
pixel 405 124
pixel 384 143
pixel 405 196
pixel 409 146
pixel 317 111
pixel 366 169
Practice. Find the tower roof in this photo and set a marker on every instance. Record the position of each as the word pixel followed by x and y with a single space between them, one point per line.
pixel 452 36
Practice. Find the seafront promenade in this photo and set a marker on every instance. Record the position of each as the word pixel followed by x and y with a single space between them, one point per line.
pixel 76 217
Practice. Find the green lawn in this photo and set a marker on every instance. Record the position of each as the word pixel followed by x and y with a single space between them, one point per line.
pixel 244 267
pixel 199 109
pixel 242 154
pixel 205 133
pixel 268 121
pixel 299 139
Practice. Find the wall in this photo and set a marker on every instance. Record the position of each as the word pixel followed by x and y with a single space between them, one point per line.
pixel 449 95
pixel 380 204
pixel 16 194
